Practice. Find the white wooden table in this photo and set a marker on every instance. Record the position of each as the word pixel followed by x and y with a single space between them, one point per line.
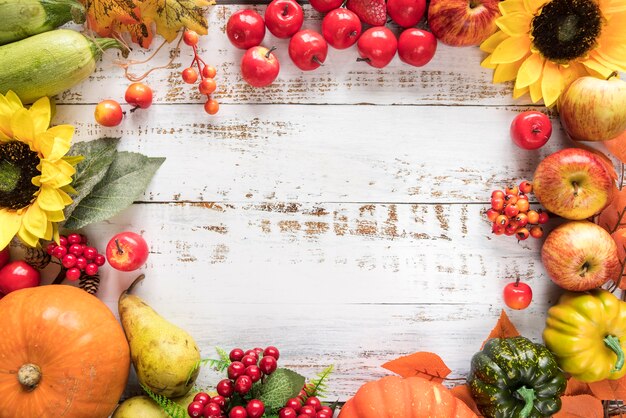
pixel 335 214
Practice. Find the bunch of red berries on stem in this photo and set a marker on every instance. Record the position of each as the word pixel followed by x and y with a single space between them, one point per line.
pixel 206 73
pixel 305 406
pixel 245 369
pixel 76 257
pixel 510 213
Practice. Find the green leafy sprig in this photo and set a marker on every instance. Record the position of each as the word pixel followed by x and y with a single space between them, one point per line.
pixel 319 385
pixel 219 365
pixel 168 406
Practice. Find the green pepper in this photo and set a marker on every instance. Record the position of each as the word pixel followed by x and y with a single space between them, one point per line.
pixel 516 378
pixel 587 334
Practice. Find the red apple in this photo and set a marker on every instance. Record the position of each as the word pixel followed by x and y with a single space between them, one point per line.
pixel 127 251
pixel 573 183
pixel 259 67
pixel 18 275
pixel 593 109
pixel 245 29
pixel 531 129
pixel 284 18
pixel 406 13
pixel 377 46
pixel 341 28
pixel 325 5
pixel 580 256
pixel 308 49
pixel 463 22
pixel 5 257
pixel 416 47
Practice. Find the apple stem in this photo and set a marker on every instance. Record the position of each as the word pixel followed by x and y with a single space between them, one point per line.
pixel 269 51
pixel 120 251
pixel 576 187
pixel 286 10
pixel 317 60
pixel 585 269
pixel 613 74
pixel 517 282
pixel 363 59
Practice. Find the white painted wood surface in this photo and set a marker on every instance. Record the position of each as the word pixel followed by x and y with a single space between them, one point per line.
pixel 343 233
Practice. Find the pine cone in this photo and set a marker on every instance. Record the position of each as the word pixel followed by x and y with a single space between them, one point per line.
pixel 37 257
pixel 89 284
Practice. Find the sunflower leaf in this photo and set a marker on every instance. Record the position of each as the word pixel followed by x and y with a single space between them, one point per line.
pixel 124 182
pixel 98 156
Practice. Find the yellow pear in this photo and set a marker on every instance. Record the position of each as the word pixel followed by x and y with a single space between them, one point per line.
pixel 144 407
pixel 163 354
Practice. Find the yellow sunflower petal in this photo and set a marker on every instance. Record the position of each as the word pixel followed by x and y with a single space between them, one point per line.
pixel 532 6
pixel 49 199
pixel 28 238
pixel 10 222
pixel 511 50
pixel 5 129
pixel 530 71
pixel 514 24
pixel 60 147
pixel 593 65
pixel 55 233
pixel 517 93
pixel 535 91
pixel 13 101
pixel 551 83
pixel 43 143
pixel 506 72
pixel 486 63
pixel 55 216
pixel 35 220
pixel 40 114
pixel 63 131
pixel 511 6
pixel 490 44
pixel 69 189
pixel 22 126
pixel 56 174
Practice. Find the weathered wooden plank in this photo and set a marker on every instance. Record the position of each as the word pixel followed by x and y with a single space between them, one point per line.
pixel 303 153
pixel 453 77
pixel 349 284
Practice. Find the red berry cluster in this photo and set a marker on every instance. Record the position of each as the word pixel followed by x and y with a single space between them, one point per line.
pixel 510 213
pixel 207 73
pixel 247 368
pixel 76 256
pixel 305 406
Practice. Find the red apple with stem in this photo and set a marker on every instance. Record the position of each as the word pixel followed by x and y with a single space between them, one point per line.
pixel 377 46
pixel 341 28
pixel 517 295
pixel 284 18
pixel 308 50
pixel 416 47
pixel 18 275
pixel 245 29
pixel 531 129
pixel 406 13
pixel 259 67
pixel 573 183
pixel 463 22
pixel 580 255
pixel 127 251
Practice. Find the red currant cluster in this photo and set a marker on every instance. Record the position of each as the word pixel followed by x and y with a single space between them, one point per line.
pixel 207 73
pixel 510 213
pixel 247 368
pixel 305 406
pixel 76 256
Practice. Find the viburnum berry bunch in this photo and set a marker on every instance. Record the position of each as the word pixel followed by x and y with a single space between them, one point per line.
pixel 205 72
pixel 510 213
pixel 255 387
pixel 76 256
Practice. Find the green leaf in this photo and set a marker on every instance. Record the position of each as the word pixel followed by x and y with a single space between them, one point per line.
pixel 279 387
pixel 125 181
pixel 318 386
pixel 224 356
pixel 168 406
pixel 98 156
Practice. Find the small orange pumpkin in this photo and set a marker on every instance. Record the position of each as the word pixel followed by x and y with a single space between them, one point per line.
pixel 396 397
pixel 62 354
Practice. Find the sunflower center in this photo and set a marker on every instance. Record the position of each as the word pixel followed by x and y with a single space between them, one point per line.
pixel 18 166
pixel 566 29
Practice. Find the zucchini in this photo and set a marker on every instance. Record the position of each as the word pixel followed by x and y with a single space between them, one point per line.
pixel 20 19
pixel 49 63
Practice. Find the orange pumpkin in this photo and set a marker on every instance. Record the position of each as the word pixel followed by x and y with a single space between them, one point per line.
pixel 62 354
pixel 396 397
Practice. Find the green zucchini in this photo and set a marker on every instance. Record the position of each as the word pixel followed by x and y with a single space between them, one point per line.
pixel 20 19
pixel 49 63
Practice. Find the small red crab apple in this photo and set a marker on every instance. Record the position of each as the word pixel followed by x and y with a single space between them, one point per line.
pixel 108 113
pixel 138 95
pixel 517 295
pixel 127 251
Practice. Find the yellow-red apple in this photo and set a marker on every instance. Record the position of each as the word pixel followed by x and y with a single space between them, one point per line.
pixel 579 256
pixel 463 22
pixel 573 183
pixel 594 109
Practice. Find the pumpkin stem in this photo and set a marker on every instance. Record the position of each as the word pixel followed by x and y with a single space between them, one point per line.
pixel 613 343
pixel 134 283
pixel 528 395
pixel 29 376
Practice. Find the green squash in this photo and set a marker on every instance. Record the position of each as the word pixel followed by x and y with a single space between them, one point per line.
pixel 516 378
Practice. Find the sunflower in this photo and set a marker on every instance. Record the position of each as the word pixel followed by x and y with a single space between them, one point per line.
pixel 544 45
pixel 35 174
